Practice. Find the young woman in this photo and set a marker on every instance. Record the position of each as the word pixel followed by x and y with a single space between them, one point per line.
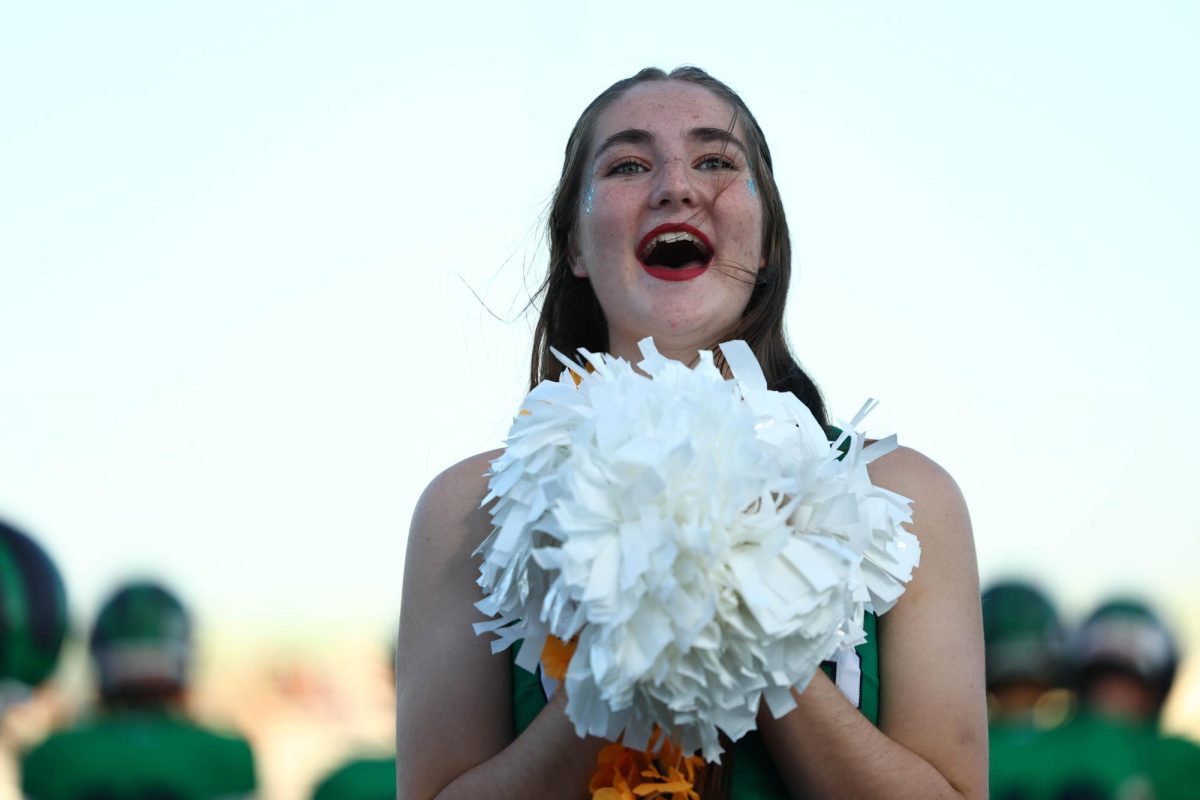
pixel 667 223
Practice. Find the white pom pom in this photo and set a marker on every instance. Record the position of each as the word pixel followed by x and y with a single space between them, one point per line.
pixel 701 537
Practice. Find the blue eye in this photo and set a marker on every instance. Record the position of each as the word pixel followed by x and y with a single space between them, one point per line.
pixel 628 167
pixel 716 162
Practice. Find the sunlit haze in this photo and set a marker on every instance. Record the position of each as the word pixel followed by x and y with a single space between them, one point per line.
pixel 263 269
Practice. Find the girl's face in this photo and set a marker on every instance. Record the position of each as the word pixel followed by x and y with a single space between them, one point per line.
pixel 669 227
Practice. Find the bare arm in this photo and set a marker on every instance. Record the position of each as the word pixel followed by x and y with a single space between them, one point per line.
pixel 454 729
pixel 932 735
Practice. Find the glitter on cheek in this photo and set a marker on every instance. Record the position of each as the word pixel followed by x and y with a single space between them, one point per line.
pixel 589 199
pixel 750 187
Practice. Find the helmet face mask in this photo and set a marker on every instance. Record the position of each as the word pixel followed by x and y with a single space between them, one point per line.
pixel 1025 639
pixel 141 645
pixel 1125 638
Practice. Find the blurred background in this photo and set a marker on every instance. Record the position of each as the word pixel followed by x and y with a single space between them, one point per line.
pixel 264 271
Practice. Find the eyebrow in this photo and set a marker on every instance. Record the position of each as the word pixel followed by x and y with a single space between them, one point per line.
pixel 627 136
pixel 708 135
pixel 639 136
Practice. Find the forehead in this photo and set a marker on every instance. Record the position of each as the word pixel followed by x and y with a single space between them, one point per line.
pixel 665 108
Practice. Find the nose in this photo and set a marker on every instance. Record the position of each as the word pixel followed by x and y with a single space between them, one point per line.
pixel 674 185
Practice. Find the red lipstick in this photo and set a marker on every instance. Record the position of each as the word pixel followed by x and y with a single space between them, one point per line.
pixel 674 273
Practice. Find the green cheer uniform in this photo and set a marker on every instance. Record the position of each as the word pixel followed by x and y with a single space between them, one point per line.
pixel 364 779
pixel 138 756
pixel 754 774
pixel 1087 758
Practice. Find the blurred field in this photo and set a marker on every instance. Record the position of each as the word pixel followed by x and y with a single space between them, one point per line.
pixel 308 704
pixel 1182 714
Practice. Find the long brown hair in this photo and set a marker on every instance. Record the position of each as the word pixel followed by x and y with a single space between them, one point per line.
pixel 571 316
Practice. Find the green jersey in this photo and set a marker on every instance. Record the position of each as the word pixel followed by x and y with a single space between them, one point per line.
pixel 856 674
pixel 1089 757
pixel 1174 768
pixel 365 779
pixel 138 756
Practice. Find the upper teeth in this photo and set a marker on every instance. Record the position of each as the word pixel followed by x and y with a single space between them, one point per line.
pixel 670 237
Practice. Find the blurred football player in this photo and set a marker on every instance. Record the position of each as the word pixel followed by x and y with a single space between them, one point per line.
pixel 33 615
pixel 1025 646
pixel 1125 659
pixel 1025 659
pixel 140 744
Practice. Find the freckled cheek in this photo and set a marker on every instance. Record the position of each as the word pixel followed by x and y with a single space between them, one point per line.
pixel 610 227
pixel 611 245
pixel 603 246
pixel 749 239
pixel 752 233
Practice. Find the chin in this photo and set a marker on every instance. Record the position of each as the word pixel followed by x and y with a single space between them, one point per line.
pixel 683 333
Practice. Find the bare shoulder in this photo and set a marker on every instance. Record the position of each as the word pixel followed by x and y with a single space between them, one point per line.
pixel 437 601
pixel 440 663
pixel 450 505
pixel 931 641
pixel 938 504
pixel 910 472
pixel 940 522
pixel 439 567
pixel 461 485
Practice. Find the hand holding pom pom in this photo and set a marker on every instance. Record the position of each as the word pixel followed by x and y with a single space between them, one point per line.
pixel 701 539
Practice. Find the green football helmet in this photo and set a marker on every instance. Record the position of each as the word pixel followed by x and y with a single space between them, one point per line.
pixel 33 613
pixel 142 641
pixel 1128 636
pixel 1024 638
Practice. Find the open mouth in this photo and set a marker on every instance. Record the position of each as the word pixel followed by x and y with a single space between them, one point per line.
pixel 675 252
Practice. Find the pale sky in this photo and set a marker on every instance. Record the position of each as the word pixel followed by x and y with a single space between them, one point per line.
pixel 250 256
